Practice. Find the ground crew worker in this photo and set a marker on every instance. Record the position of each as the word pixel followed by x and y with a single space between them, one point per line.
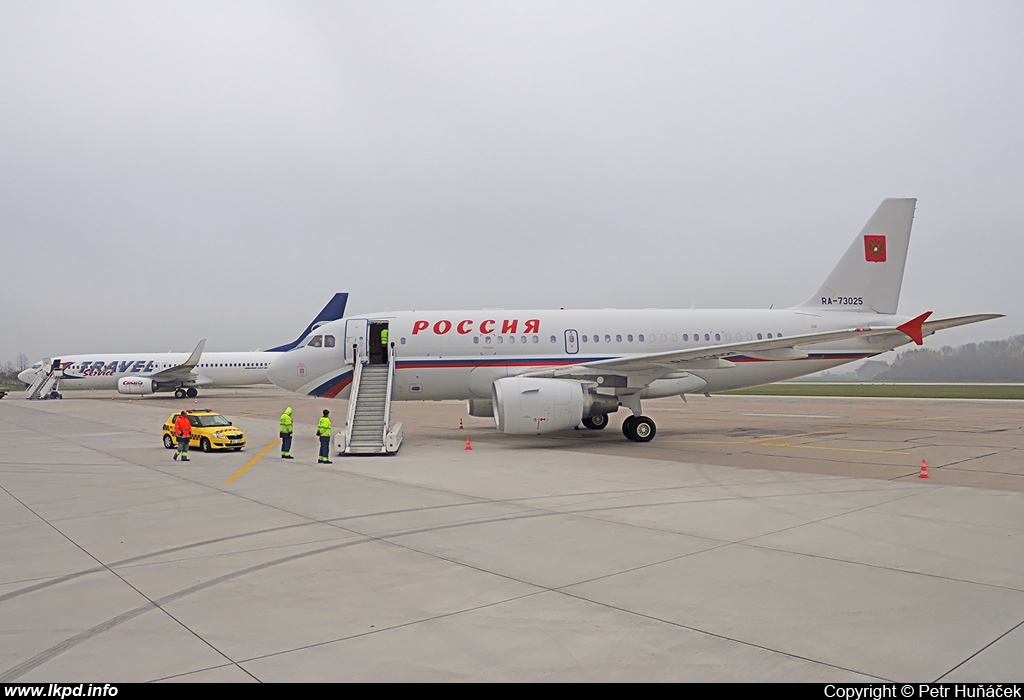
pixel 323 429
pixel 286 433
pixel 183 431
pixel 384 344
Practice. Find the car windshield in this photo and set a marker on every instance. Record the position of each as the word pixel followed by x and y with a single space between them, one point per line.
pixel 208 421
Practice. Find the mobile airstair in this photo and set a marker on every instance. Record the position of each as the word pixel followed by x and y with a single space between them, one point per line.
pixel 44 386
pixel 368 429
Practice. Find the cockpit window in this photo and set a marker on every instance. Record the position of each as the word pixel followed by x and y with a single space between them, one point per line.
pixel 328 341
pixel 317 341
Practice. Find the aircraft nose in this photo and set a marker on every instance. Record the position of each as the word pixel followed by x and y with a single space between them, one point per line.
pixel 284 372
pixel 26 376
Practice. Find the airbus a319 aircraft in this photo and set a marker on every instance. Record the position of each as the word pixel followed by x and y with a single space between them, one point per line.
pixel 542 371
pixel 182 373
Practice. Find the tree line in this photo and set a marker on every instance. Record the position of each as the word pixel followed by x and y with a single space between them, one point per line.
pixel 9 371
pixel 991 361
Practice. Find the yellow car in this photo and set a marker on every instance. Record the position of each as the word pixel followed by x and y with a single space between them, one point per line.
pixel 210 431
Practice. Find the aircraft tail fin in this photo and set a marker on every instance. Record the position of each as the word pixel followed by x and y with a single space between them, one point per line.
pixel 334 310
pixel 869 276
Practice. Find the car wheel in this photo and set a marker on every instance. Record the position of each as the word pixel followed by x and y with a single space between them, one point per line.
pixel 168 442
pixel 205 445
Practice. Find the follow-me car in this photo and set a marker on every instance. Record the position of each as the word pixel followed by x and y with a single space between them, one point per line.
pixel 210 431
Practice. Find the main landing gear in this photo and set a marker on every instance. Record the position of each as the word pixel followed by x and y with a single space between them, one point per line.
pixel 639 428
pixel 598 422
pixel 181 393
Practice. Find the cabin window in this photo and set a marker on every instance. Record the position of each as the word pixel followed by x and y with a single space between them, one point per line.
pixel 675 338
pixel 664 338
pixel 769 336
pixel 536 339
pixel 641 337
pixel 476 340
pixel 522 339
pixel 584 338
pixel 512 339
pixel 686 337
pixel 501 340
pixel 553 339
pixel 618 339
pixel 629 338
pixel 718 336
pixel 402 340
pixel 728 336
pixel 778 335
pixel 707 336
pixel 607 339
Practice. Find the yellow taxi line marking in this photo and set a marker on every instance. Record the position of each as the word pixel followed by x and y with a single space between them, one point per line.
pixel 251 462
pixel 768 441
pixel 838 449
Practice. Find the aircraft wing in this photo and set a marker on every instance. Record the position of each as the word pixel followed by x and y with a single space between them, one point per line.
pixel 183 371
pixel 640 370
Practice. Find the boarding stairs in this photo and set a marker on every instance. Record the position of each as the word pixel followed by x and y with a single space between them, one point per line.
pixel 368 424
pixel 44 386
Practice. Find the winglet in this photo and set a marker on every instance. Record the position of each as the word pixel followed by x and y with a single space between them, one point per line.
pixel 334 310
pixel 193 359
pixel 913 328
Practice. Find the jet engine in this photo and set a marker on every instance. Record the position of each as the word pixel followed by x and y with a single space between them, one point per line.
pixel 480 408
pixel 136 385
pixel 528 406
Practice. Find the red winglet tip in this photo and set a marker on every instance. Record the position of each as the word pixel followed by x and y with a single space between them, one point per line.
pixel 913 328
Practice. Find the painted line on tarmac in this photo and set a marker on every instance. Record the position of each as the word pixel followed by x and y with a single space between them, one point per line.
pixel 251 462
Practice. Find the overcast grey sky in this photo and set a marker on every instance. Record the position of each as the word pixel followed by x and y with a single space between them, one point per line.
pixel 171 171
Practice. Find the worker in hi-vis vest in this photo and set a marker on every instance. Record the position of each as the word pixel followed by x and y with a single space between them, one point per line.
pixel 323 429
pixel 286 433
pixel 384 344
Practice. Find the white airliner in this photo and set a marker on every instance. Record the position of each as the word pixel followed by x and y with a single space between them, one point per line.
pixel 543 371
pixel 182 373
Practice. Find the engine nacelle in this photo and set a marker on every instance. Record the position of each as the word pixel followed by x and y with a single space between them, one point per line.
pixel 480 408
pixel 136 385
pixel 529 406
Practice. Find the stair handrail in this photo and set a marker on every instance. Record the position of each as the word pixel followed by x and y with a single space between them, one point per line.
pixel 387 396
pixel 353 392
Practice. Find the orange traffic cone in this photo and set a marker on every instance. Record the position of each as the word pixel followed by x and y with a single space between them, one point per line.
pixel 924 471
pixel 468 446
pixel 460 424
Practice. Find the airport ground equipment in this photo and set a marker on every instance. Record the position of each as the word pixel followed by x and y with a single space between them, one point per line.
pixel 369 430
pixel 44 386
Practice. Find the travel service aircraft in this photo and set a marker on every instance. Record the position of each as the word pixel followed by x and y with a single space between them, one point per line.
pixel 182 373
pixel 543 371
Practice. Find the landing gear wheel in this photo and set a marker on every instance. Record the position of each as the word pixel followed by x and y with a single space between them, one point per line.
pixel 168 442
pixel 205 446
pixel 179 393
pixel 192 392
pixel 639 428
pixel 598 422
pixel 627 426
